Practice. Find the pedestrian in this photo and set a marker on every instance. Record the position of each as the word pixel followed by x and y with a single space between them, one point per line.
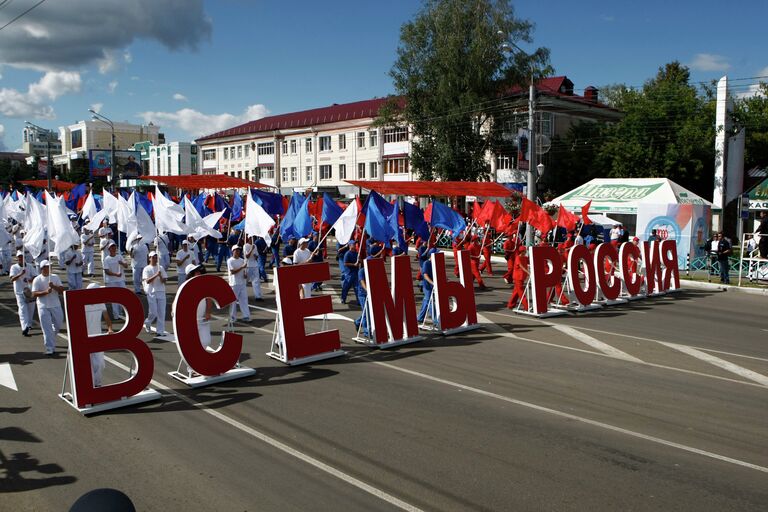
pixel 73 262
pixel 519 276
pixel 88 241
pixel 139 258
pixel 154 277
pixel 349 272
pixel 300 256
pixel 183 257
pixel 252 269
pixel 724 251
pixel 22 274
pixel 46 288
pixel 762 230
pixel 236 267
pixel 427 286
pixel 94 313
pixel 114 276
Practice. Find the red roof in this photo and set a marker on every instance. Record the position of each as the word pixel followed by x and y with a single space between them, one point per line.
pixel 557 86
pixel 197 181
pixel 57 184
pixel 435 188
pixel 333 114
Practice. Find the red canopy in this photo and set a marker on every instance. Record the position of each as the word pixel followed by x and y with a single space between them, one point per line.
pixel 435 188
pixel 197 181
pixel 57 185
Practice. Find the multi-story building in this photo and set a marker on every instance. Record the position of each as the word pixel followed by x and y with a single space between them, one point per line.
pixel 35 142
pixel 173 159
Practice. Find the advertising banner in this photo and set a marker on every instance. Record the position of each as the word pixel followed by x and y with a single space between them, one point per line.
pixel 686 224
pixel 127 162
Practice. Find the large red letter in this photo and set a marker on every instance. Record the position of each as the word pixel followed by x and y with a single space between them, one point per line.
pixel 293 310
pixel 462 292
pixel 81 345
pixel 577 255
pixel 191 293
pixel 671 274
pixel 652 262
pixel 546 272
pixel 629 260
pixel 610 286
pixel 393 314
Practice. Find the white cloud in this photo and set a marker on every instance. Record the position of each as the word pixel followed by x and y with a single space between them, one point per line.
pixel 96 106
pixel 127 57
pixel 134 78
pixel 108 62
pixel 180 97
pixel 56 37
pixel 709 62
pixel 34 103
pixel 112 86
pixel 2 138
pixel 753 89
pixel 196 124
pixel 607 18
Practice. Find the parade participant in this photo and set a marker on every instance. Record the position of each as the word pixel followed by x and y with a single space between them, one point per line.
pixel 163 251
pixel 203 313
pixel 519 276
pixel 73 262
pixel 46 289
pixel 105 232
pixel 362 291
pixel 103 244
pixel 113 275
pixel 317 255
pixel 6 249
pixel 22 275
pixel 261 257
pixel 275 246
pixel 195 250
pixel 154 277
pixel 222 249
pixel 487 245
pixel 87 241
pixel 94 313
pixel 510 253
pixel 139 254
pixel 456 246
pixel 301 256
pixel 236 267
pixel 615 234
pixel 349 272
pixel 474 255
pixel 290 248
pixel 341 250
pixel 252 262
pixel 427 284
pixel 183 257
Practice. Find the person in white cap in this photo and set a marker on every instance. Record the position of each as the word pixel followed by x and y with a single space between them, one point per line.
pixel 94 313
pixel 154 277
pixel 87 241
pixel 183 258
pixel 252 260
pixel 22 275
pixel 72 260
pixel 236 268
pixel 105 232
pixel 204 311
pixel 161 244
pixel 300 256
pixel 114 276
pixel 46 288
pixel 104 248
pixel 139 260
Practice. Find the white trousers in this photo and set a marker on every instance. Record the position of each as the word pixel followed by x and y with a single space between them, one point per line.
pixel 5 258
pixel 26 311
pixel 50 321
pixel 182 278
pixel 88 261
pixel 97 367
pixel 241 292
pixel 117 309
pixel 253 277
pixel 165 259
pixel 156 304
pixel 75 280
pixel 136 271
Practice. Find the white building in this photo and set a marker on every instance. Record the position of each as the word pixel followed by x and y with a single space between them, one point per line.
pixel 317 149
pixel 173 159
pixel 36 142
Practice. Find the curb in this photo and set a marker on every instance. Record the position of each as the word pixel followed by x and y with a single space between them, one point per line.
pixel 685 283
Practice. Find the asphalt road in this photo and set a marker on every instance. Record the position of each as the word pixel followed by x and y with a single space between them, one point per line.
pixel 661 404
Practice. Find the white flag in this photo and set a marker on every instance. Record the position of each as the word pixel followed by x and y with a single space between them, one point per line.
pixel 126 214
pixel 60 228
pixel 257 221
pixel 168 219
pixel 195 223
pixel 110 203
pixel 95 222
pixel 89 207
pixel 34 225
pixel 345 225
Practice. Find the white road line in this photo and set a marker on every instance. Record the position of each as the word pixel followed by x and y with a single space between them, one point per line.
pixel 720 363
pixel 595 343
pixel 6 377
pixel 329 316
pixel 569 416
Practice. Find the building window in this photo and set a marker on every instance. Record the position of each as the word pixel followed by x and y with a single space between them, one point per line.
pixel 361 171
pixel 208 154
pixel 343 141
pixel 374 138
pixel 284 146
pixel 360 140
pixel 226 153
pixel 309 173
pixel 308 144
pixel 246 150
pixel 267 172
pixel 265 148
pixel 396 134
pixel 325 143
pixel 168 169
pixel 239 151
pixel 545 124
pixel 325 172
pixel 342 171
pixel 503 162
pixel 232 152
pixel 284 173
pixel 293 147
pixel 294 174
pixel 374 167
pixel 396 166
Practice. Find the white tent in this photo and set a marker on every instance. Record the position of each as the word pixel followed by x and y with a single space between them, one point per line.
pixel 624 195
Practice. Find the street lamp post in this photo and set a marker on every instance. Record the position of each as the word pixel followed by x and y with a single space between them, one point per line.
pixel 104 119
pixel 48 163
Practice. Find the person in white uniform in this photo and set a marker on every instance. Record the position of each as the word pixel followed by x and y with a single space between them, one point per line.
pixel 252 260
pixel 164 256
pixel 73 262
pixel 236 268
pixel 139 260
pixel 6 249
pixel 300 256
pixel 87 242
pixel 114 276
pixel 22 275
pixel 203 313
pixel 46 288
pixel 183 258
pixel 154 277
pixel 94 313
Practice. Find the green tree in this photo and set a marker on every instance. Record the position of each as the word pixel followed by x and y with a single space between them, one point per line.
pixel 575 157
pixel 451 70
pixel 751 113
pixel 11 174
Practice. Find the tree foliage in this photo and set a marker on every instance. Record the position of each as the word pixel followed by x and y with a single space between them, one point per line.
pixel 11 173
pixel 751 114
pixel 451 70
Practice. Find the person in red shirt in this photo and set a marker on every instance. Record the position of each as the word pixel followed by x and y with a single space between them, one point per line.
pixel 474 254
pixel 519 275
pixel 486 248
pixel 509 255
pixel 457 245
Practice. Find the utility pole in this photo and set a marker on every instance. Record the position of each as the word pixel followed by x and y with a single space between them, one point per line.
pixel 532 158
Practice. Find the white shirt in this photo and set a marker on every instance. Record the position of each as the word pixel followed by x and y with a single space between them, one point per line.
pixel 234 264
pixel 253 260
pixel 87 241
pixel 40 284
pixel 112 263
pixel 156 286
pixel 105 233
pixel 615 233
pixel 93 316
pixel 139 258
pixel 23 282
pixel 301 256
pixel 713 245
pixel 73 267
pixel 181 267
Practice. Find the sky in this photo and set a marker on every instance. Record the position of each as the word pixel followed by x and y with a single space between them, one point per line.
pixel 197 66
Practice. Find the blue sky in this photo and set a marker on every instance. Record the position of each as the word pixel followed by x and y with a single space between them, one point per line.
pixel 195 66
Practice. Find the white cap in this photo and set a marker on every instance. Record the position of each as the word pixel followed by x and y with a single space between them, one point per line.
pixel 185 242
pixel 236 247
pixel 19 253
pixel 190 268
pixel 103 243
pixel 92 286
pixel 287 260
pixel 153 253
pixel 111 244
pixel 45 263
pixel 303 241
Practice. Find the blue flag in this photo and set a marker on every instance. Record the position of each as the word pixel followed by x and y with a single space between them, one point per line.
pixel 331 210
pixel 378 225
pixel 199 204
pixel 414 219
pixel 237 207
pixel 144 202
pixel 286 226
pixel 446 218
pixel 302 222
pixel 271 202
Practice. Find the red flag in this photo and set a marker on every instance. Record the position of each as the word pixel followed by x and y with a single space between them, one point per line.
pixel 566 219
pixel 428 213
pixel 536 216
pixel 502 222
pixel 476 209
pixel 360 214
pixel 584 212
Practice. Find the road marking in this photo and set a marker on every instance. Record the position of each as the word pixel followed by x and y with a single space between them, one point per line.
pixel 569 416
pixel 594 343
pixel 720 363
pixel 328 316
pixel 6 377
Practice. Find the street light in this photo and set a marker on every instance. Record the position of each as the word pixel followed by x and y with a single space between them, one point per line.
pixel 104 119
pixel 48 134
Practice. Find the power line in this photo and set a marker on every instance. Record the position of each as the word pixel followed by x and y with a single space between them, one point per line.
pixel 23 13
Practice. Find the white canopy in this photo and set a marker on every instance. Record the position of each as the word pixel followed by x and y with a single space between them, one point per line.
pixel 623 195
